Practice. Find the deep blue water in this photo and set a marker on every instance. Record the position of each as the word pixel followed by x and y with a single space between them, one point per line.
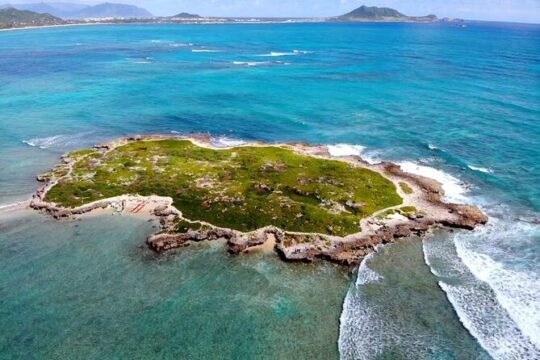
pixel 465 101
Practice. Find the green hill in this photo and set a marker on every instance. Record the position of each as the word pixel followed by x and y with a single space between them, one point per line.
pixel 16 18
pixel 373 13
pixel 185 15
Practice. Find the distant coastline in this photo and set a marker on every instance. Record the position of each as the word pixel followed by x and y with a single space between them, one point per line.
pixel 35 27
pixel 206 21
pixel 14 18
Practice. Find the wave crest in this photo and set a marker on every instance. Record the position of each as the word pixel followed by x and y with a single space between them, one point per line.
pixel 454 189
pixel 339 150
pixel 499 306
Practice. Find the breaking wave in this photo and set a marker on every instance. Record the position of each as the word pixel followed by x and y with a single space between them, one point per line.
pixel 259 63
pixel 365 274
pixel 279 54
pixel 357 318
pixel 180 44
pixel 205 51
pixel 251 63
pixel 226 142
pixel 481 169
pixel 518 291
pixel 495 295
pixel 496 298
pixel 454 189
pixel 339 150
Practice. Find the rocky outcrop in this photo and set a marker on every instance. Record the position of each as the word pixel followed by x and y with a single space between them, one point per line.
pixel 425 205
pixel 468 217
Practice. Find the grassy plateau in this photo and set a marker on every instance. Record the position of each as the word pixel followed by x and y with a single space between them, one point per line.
pixel 244 188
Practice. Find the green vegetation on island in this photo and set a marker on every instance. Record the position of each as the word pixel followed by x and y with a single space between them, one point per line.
pixel 406 188
pixel 243 188
pixel 11 17
pixel 373 13
pixel 185 15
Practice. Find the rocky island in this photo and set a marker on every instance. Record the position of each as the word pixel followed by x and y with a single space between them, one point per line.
pixel 295 199
pixel 382 14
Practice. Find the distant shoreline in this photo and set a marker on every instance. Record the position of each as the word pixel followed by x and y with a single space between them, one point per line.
pixel 54 26
pixel 265 22
pixel 224 21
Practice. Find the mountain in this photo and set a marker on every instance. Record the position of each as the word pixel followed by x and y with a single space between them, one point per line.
pixel 185 15
pixel 110 10
pixel 57 9
pixel 373 13
pixel 80 11
pixel 10 17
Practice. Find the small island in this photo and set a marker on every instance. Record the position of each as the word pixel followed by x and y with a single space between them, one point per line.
pixel 295 199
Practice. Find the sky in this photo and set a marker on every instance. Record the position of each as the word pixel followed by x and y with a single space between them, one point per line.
pixel 495 10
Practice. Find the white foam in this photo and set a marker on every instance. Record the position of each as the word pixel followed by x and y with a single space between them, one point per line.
pixel 180 44
pixel 481 169
pixel 56 140
pixel 226 142
pixel 498 306
pixel 453 188
pixel 13 205
pixel 365 274
pixel 302 52
pixel 339 150
pixel 488 325
pixel 357 340
pixel 279 54
pixel 518 292
pixel 432 147
pixel 345 150
pixel 205 51
pixel 251 63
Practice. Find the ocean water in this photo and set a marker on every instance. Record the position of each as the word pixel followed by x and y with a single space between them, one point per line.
pixel 92 290
pixel 458 104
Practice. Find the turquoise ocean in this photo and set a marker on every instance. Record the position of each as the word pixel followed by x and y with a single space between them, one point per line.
pixel 461 104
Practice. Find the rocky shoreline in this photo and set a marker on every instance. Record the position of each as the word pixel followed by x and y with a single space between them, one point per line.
pixel 424 195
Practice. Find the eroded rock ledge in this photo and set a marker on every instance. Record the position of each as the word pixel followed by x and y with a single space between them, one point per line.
pixel 423 208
